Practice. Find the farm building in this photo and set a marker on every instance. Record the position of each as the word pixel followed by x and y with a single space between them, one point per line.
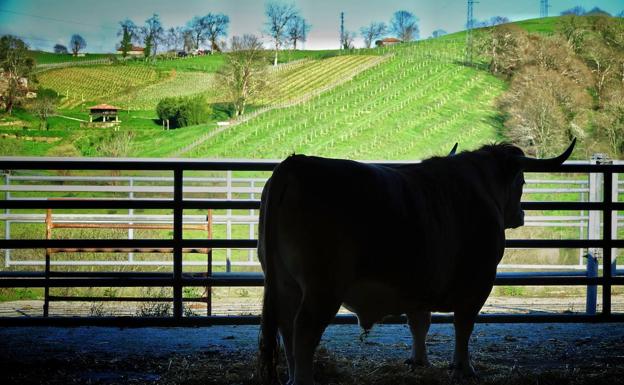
pixel 104 115
pixel 387 41
pixel 133 51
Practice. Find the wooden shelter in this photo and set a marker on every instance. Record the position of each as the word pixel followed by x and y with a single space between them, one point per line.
pixel 387 41
pixel 105 112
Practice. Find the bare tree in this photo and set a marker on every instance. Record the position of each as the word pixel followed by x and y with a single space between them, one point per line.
pixel 544 109
pixel 405 25
pixel 297 30
pixel 348 37
pixel 496 20
pixel 278 16
pixel 372 32
pixel 187 40
pixel 45 105
pixel 198 28
pixel 77 43
pixel 153 34
pixel 578 11
pixel 216 27
pixel 244 74
pixel 505 45
pixel 173 38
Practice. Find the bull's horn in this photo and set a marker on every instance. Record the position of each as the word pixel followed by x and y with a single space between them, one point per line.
pixel 526 162
pixel 453 150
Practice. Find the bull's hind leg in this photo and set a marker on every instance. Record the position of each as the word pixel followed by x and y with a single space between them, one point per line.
pixel 419 322
pixel 289 302
pixel 317 310
pixel 464 320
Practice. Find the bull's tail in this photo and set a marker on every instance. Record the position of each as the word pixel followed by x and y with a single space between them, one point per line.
pixel 269 346
pixel 269 341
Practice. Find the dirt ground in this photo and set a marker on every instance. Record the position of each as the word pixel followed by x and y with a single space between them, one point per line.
pixel 502 353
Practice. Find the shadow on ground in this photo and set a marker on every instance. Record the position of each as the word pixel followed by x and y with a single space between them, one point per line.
pixel 503 354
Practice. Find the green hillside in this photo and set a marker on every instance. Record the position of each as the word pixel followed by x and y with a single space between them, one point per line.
pixel 406 101
pixel 411 105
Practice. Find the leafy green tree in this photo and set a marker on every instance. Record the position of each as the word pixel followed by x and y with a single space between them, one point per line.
pixel 60 49
pixel 127 32
pixel 17 66
pixel 183 111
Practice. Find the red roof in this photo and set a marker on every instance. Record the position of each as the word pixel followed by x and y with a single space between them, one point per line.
pixel 133 48
pixel 104 107
pixel 391 40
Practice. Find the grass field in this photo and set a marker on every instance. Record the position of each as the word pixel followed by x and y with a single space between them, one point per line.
pixel 93 83
pixel 53 58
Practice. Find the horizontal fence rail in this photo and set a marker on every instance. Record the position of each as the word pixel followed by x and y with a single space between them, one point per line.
pixel 176 203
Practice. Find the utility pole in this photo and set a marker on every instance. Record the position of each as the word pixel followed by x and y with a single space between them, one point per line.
pixel 544 8
pixel 341 29
pixel 469 26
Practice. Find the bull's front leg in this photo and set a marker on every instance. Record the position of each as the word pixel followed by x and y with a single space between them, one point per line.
pixel 464 323
pixel 419 322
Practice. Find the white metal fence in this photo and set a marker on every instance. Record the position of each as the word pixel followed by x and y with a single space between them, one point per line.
pixel 232 188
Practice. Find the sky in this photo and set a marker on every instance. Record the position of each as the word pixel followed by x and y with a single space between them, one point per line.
pixel 44 23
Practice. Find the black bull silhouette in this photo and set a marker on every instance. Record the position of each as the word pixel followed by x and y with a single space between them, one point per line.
pixel 381 241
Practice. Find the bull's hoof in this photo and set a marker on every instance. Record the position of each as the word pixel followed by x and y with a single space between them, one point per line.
pixel 463 373
pixel 414 363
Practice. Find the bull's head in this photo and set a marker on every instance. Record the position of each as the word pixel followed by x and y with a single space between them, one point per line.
pixel 518 162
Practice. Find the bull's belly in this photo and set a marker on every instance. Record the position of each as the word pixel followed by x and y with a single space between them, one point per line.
pixel 371 301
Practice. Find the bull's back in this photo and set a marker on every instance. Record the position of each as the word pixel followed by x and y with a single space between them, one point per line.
pixel 337 216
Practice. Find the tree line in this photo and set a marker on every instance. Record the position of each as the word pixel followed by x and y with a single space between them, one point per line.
pixel 570 84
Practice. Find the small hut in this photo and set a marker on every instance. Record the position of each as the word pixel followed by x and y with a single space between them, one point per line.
pixel 104 113
pixel 387 41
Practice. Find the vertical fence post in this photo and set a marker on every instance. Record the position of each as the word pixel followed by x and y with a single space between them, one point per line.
pixel 209 267
pixel 592 290
pixel 7 224
pixel 595 187
pixel 46 289
pixel 251 225
pixel 606 251
pixel 228 224
pixel 614 225
pixel 177 239
pixel 131 213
